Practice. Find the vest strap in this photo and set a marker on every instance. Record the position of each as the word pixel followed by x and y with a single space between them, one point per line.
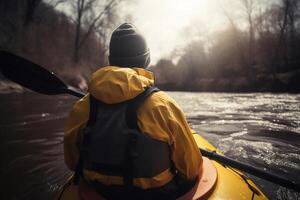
pixel 134 104
pixel 85 138
pixel 131 119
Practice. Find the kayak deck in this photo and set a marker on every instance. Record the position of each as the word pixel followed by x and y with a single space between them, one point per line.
pixel 229 183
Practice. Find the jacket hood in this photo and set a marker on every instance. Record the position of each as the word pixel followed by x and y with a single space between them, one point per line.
pixel 117 84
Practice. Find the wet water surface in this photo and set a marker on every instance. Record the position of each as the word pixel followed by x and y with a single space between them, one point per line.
pixel 259 129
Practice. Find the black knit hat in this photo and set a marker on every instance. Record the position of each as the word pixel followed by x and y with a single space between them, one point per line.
pixel 128 48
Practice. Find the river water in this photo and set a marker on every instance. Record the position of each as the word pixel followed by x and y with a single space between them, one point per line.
pixel 260 129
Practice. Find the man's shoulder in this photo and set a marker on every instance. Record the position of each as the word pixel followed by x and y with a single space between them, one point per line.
pixel 160 99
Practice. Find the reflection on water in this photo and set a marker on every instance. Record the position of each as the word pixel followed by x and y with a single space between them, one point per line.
pixel 259 129
pixel 31 128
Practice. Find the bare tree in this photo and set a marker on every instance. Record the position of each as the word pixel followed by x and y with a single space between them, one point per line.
pixel 248 8
pixel 276 28
pixel 31 6
pixel 245 49
pixel 239 45
pixel 91 16
pixel 293 19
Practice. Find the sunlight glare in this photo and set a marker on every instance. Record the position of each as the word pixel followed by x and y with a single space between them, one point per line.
pixel 168 24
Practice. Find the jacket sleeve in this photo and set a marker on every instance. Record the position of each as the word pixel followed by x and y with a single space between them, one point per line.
pixel 162 119
pixel 75 121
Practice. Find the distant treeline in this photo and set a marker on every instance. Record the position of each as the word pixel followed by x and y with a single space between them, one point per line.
pixel 71 46
pixel 264 56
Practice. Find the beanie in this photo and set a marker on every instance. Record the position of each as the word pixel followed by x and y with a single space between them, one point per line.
pixel 128 48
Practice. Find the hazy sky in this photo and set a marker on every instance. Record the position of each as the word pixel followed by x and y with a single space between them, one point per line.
pixel 168 24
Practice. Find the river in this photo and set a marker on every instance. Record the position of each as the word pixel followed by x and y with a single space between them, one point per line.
pixel 261 129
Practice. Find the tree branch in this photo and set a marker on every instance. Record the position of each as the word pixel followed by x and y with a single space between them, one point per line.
pixel 106 9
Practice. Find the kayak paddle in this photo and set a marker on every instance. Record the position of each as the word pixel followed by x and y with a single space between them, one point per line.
pixel 38 79
pixel 251 170
pixel 33 76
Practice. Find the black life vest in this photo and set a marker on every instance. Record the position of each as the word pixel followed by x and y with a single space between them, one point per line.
pixel 113 144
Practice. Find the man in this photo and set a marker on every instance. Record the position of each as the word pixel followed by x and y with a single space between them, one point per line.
pixel 125 137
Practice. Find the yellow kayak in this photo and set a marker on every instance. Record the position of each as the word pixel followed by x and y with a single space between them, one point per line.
pixel 217 182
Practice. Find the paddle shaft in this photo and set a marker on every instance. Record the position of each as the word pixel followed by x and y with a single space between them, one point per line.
pixel 251 170
pixel 74 92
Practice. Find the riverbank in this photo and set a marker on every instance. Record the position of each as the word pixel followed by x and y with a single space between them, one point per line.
pixel 288 82
pixel 10 87
pixel 284 83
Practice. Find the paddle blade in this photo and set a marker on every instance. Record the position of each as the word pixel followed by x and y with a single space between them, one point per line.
pixel 30 75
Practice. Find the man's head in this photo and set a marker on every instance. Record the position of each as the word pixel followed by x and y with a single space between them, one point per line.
pixel 128 48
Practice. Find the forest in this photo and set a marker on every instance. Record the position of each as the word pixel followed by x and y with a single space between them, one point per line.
pixel 259 53
pixel 264 55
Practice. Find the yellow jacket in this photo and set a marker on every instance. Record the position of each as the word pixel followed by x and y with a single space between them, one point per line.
pixel 159 116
